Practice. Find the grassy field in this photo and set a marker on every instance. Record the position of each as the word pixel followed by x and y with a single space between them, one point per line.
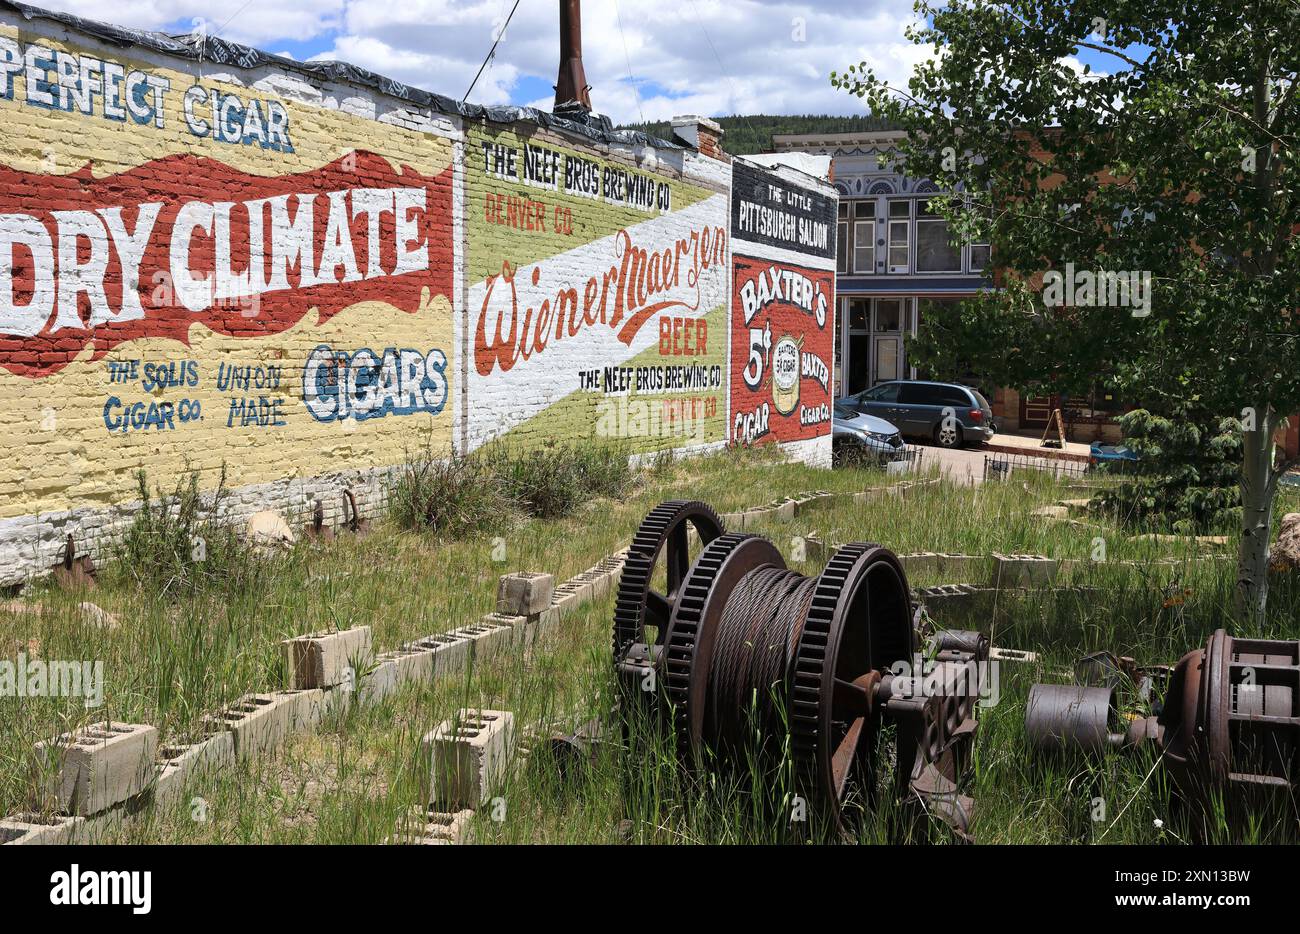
pixel 173 656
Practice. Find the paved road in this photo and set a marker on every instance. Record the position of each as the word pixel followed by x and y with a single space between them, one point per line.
pixel 966 465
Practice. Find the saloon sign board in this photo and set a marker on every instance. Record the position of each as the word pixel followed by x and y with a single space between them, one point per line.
pixel 782 307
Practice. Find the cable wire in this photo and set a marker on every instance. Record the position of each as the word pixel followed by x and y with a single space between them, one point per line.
pixel 491 52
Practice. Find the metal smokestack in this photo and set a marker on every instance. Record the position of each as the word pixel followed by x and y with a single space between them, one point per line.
pixel 571 89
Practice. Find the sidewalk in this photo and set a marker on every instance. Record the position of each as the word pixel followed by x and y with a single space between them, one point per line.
pixel 1029 445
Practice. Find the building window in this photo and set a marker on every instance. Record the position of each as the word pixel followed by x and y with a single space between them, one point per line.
pixel 889 314
pixel 900 222
pixel 864 237
pixel 935 250
pixel 842 240
pixel 858 311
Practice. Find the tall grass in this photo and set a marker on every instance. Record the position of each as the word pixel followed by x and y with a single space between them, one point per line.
pixel 179 543
pixel 448 494
pixel 185 651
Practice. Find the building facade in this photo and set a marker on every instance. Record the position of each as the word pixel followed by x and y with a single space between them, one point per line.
pixel 895 256
pixel 286 280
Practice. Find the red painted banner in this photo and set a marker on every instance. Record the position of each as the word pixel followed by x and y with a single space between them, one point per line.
pixel 186 240
pixel 782 351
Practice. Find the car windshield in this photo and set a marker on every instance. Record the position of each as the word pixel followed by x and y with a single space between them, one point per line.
pixel 844 412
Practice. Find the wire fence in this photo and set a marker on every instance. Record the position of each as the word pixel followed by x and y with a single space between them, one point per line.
pixel 1002 466
pixel 907 458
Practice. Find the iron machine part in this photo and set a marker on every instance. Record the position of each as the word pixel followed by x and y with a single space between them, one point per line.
pixel 829 661
pixel 1228 730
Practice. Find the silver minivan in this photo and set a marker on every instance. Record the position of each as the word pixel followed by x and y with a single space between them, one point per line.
pixel 920 409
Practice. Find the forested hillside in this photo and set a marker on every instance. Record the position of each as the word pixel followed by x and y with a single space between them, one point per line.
pixel 751 134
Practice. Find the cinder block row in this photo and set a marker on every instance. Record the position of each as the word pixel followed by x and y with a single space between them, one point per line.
pixel 261 722
pixel 431 827
pixel 328 659
pixel 181 764
pixel 469 757
pixel 493 634
pixel 953 604
pixel 410 663
pixel 591 584
pixel 807 499
pixel 568 596
pixel 40 830
pixel 1023 570
pixel 999 654
pixel 90 770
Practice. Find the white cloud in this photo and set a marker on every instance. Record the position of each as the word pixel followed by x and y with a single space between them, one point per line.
pixel 701 56
pixel 256 23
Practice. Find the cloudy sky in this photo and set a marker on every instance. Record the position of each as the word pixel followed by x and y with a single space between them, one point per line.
pixel 648 59
pixel 714 57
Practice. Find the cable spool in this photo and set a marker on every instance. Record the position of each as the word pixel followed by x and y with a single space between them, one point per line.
pixel 817 658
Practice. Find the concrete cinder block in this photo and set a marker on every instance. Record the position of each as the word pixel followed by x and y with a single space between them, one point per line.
pixel 785 510
pixel 40 830
pixel 443 829
pixel 326 660
pixel 525 593
pixel 565 601
pixel 816 550
pixel 90 770
pixel 1023 570
pixel 1012 655
pixel 378 683
pixel 925 562
pixel 428 826
pixel 963 567
pixel 262 722
pixel 469 757
pixel 956 606
pixel 494 634
pixel 412 663
pixel 183 763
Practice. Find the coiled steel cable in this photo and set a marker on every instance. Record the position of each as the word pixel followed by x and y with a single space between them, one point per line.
pixel 757 636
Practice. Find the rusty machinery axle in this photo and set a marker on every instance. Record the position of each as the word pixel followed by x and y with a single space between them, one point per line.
pixel 1228 730
pixel 829 661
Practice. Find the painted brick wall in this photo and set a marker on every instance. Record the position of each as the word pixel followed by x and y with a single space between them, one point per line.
pixel 782 308
pixel 291 282
pixel 597 292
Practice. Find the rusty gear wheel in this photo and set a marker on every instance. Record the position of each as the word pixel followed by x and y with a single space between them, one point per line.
pixel 858 628
pixel 664 533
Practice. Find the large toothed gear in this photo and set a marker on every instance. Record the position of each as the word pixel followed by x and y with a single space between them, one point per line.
pixel 750 653
pixel 664 534
pixel 858 627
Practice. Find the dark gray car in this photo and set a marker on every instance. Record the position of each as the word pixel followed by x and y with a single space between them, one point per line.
pixel 949 414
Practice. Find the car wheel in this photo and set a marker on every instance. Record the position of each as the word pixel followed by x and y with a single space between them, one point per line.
pixel 947 434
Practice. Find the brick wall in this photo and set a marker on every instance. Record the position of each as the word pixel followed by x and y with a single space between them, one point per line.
pixel 293 279
pixel 782 305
